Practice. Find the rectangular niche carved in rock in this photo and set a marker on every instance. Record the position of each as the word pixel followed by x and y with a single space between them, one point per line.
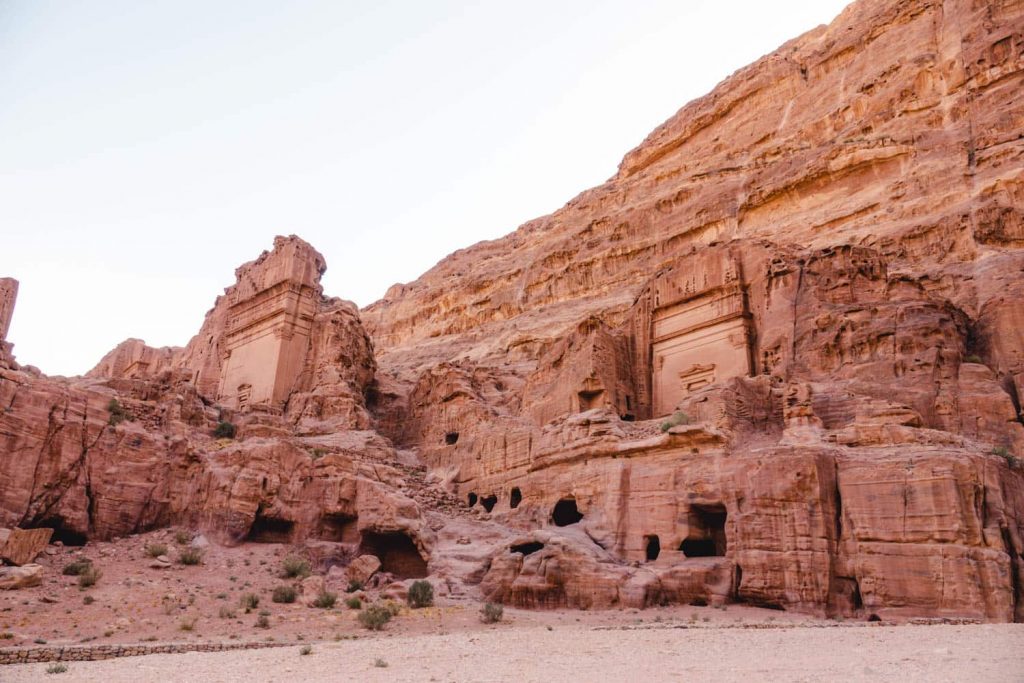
pixel 697 341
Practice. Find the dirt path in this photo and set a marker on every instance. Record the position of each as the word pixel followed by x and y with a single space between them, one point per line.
pixel 575 653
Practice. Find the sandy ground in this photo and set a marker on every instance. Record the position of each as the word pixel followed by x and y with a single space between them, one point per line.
pixel 652 652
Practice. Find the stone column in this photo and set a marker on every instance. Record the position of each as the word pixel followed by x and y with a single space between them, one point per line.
pixel 8 295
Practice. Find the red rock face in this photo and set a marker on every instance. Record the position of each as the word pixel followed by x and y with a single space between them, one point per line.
pixel 777 359
pixel 818 267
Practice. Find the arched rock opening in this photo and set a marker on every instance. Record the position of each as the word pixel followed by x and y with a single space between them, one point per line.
pixel 707 532
pixel 451 438
pixel 397 553
pixel 566 512
pixel 489 502
pixel 527 548
pixel 270 530
pixel 61 532
pixel 652 547
pixel 471 499
pixel 515 498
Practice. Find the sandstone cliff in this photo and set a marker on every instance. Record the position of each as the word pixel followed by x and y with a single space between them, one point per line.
pixel 776 359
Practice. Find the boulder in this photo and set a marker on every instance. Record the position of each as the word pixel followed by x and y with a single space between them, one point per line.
pixel 14 578
pixel 23 545
pixel 362 568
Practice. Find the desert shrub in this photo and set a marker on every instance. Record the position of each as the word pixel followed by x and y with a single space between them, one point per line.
pixel 6 635
pixel 354 586
pixel 156 549
pixel 491 613
pixel 1004 452
pixel 249 602
pixel 77 567
pixel 306 650
pixel 393 607
pixel 224 430
pixel 325 600
pixel 181 536
pixel 380 663
pixel 89 577
pixel 285 594
pixel 88 600
pixel 263 621
pixel 188 624
pixel 226 612
pixel 674 421
pixel 421 594
pixel 375 617
pixel 354 603
pixel 57 668
pixel 973 358
pixel 118 413
pixel 190 556
pixel 295 567
pixel 318 453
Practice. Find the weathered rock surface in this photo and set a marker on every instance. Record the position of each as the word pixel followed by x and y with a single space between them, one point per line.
pixel 15 578
pixel 21 546
pixel 776 359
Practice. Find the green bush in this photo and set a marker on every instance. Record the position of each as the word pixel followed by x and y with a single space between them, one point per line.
pixel 285 594
pixel 375 617
pixel 325 600
pixel 89 577
pixel 224 430
pixel 190 556
pixel 118 413
pixel 674 421
pixel 156 549
pixel 354 603
pixel 295 567
pixel 77 567
pixel 181 536
pixel 491 613
pixel 421 594
pixel 262 621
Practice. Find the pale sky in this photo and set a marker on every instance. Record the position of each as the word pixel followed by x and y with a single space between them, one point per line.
pixel 149 148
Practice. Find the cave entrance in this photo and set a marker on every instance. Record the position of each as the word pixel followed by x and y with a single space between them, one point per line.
pixel 270 530
pixel 566 512
pixel 451 438
pixel 590 399
pixel 338 528
pixel 489 502
pixel 471 499
pixel 652 547
pixel 397 553
pixel 527 548
pixel 515 498
pixel 61 532
pixel 707 532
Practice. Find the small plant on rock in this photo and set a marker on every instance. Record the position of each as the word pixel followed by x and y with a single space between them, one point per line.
pixel 188 624
pixel 249 602
pixel 354 603
pixel 227 613
pixel 57 668
pixel 294 567
pixel 263 621
pixel 325 600
pixel 118 413
pixel 77 567
pixel 156 549
pixel 375 617
pixel 674 421
pixel 181 536
pixel 190 556
pixel 306 650
pixel 89 577
pixel 284 594
pixel 224 430
pixel 491 613
pixel 421 594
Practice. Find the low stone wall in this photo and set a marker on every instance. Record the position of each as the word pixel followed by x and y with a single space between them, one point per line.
pixel 85 653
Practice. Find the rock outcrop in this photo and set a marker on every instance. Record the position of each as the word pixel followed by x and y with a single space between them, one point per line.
pixel 776 359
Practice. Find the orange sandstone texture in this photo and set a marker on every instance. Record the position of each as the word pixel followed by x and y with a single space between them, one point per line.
pixel 776 359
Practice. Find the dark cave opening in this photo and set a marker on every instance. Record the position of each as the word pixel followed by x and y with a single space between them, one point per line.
pixel 707 532
pixel 591 399
pixel 60 532
pixel 527 548
pixel 515 498
pixel 566 512
pixel 652 547
pixel 489 502
pixel 451 438
pixel 397 553
pixel 270 530
pixel 471 499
